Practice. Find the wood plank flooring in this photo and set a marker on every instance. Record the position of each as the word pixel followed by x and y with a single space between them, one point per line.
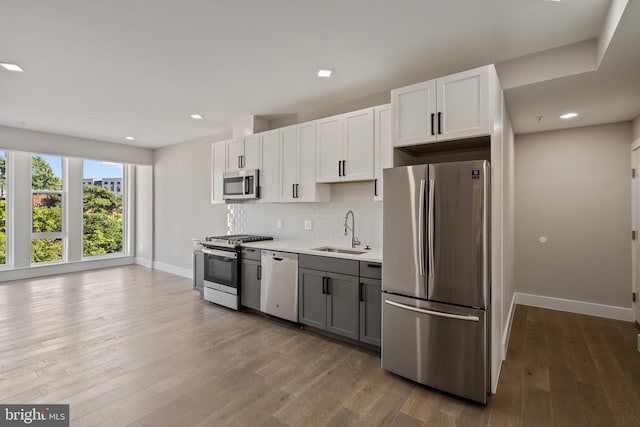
pixel 137 347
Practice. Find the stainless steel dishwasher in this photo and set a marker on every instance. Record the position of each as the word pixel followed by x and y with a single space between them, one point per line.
pixel 279 296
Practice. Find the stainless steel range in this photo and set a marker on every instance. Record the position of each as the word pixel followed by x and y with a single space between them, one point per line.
pixel 222 267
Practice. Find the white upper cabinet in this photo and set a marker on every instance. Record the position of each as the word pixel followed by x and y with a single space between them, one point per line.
pixel 383 148
pixel 329 149
pixel 358 146
pixel 298 165
pixel 414 113
pixel 219 165
pixel 269 170
pixel 463 103
pixel 289 171
pixel 243 153
pixel 307 189
pixel 235 151
pixel 344 147
pixel 448 108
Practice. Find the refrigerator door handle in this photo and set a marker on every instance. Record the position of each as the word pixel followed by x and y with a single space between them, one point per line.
pixel 432 196
pixel 486 233
pixel 421 228
pixel 433 313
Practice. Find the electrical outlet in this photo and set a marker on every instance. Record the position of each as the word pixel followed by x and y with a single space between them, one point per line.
pixel 308 224
pixel 279 224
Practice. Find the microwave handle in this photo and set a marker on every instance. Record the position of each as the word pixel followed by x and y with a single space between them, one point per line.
pixel 246 185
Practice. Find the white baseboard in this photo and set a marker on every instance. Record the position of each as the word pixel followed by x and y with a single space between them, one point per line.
pixel 62 268
pixel 144 262
pixel 178 271
pixel 580 307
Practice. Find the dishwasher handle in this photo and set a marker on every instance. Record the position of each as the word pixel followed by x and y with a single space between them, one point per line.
pixel 275 258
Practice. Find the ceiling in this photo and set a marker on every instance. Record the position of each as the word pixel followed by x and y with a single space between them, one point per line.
pixel 110 69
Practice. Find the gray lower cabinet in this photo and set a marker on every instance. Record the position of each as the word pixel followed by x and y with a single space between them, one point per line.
pixel 250 273
pixel 370 311
pixel 371 302
pixel 312 302
pixel 342 305
pixel 328 300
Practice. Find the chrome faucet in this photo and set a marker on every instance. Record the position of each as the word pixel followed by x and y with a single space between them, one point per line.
pixel 354 239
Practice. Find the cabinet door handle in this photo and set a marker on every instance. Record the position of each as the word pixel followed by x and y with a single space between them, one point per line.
pixel 324 283
pixel 259 273
pixel 339 168
pixel 344 167
pixel 433 130
pixel 239 162
pixel 439 123
pixel 293 191
pixel 328 286
pixel 374 265
pixel 375 187
pixel 296 188
pixel 360 293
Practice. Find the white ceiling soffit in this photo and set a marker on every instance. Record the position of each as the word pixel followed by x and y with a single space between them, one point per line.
pixel 108 69
pixel 609 92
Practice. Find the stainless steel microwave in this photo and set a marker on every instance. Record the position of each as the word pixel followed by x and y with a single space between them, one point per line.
pixel 242 184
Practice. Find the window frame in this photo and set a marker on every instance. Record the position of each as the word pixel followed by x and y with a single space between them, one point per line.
pixel 8 197
pixel 126 214
pixel 62 235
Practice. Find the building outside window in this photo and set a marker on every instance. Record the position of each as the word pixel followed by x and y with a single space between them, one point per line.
pixel 3 208
pixel 47 196
pixel 102 202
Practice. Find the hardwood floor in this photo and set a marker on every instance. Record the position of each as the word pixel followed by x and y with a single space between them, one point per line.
pixel 132 346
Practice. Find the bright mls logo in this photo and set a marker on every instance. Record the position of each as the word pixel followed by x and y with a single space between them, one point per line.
pixel 36 415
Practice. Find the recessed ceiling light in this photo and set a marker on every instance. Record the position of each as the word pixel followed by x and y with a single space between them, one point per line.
pixel 130 138
pixel 569 116
pixel 11 67
pixel 324 73
pixel 196 116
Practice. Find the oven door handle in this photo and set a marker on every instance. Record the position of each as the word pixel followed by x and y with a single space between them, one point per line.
pixel 224 254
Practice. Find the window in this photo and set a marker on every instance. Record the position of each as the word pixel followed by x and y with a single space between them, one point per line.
pixel 102 208
pixel 3 208
pixel 47 236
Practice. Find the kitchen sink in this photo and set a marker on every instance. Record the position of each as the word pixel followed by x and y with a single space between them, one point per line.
pixel 339 250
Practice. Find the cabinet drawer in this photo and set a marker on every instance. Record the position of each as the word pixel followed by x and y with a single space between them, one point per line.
pixel 250 253
pixel 325 263
pixel 372 270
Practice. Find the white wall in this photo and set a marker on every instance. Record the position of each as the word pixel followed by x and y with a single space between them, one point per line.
pixel 182 203
pixel 380 98
pixel 327 218
pixel 143 246
pixel 508 227
pixel 636 128
pixel 561 61
pixel 573 187
pixel 63 145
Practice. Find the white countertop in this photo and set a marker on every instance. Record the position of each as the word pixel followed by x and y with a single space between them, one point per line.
pixel 372 255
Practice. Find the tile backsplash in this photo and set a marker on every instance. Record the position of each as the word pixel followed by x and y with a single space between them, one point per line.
pixel 327 218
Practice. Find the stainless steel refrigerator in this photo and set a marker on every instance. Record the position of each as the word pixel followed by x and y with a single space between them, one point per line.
pixel 436 276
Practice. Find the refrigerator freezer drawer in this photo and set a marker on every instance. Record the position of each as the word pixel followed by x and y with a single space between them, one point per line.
pixel 441 346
